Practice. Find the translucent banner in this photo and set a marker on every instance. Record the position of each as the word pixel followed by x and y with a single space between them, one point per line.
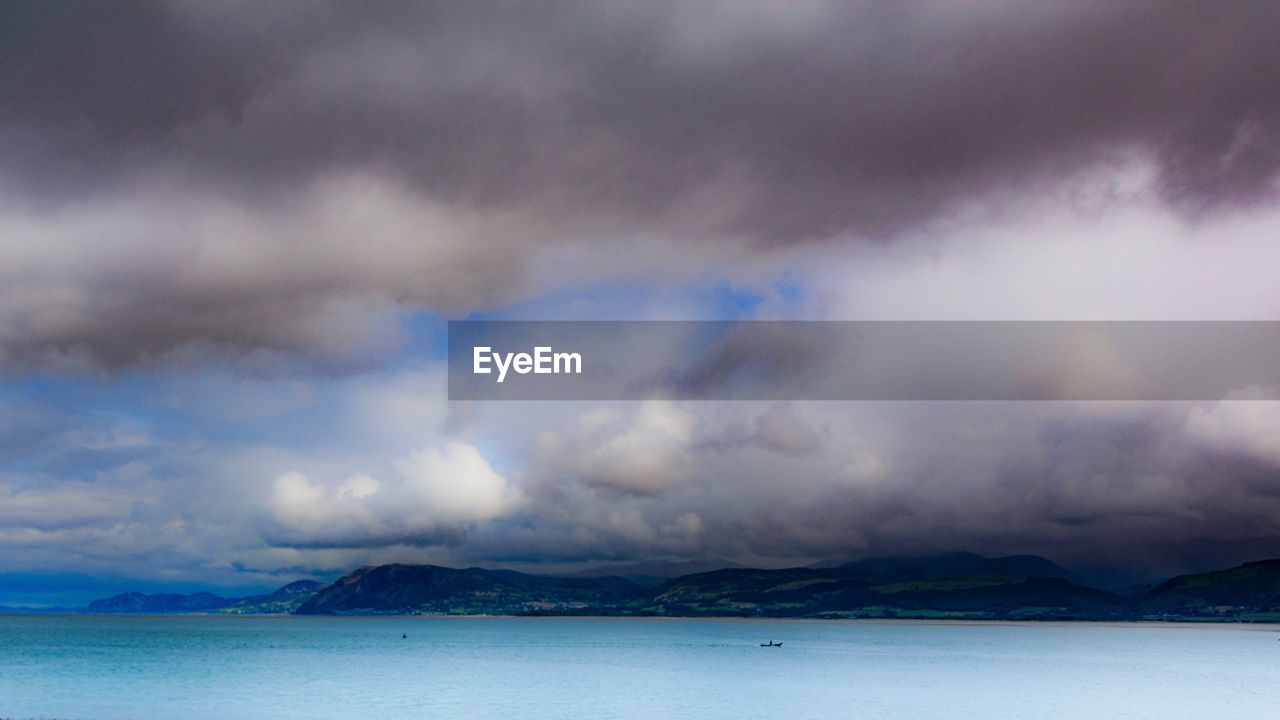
pixel 925 361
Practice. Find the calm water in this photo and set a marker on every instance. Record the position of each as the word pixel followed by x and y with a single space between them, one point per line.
pixel 193 668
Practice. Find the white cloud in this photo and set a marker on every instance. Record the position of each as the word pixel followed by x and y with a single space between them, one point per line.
pixel 1056 261
pixel 357 487
pixel 644 456
pixel 60 506
pixel 1245 421
pixel 454 483
pixel 436 490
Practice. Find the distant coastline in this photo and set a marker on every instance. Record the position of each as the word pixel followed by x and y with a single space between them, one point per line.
pixel 960 587
pixel 1189 624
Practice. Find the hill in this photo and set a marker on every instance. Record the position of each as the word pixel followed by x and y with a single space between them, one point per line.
pixel 898 588
pixel 431 589
pixel 284 600
pixel 957 585
pixel 649 574
pixel 133 602
pixel 1248 592
pixel 840 592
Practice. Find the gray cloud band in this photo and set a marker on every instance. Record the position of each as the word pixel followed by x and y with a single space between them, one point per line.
pixel 181 180
pixel 915 361
pixel 794 124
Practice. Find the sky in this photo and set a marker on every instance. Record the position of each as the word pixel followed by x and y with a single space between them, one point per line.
pixel 231 235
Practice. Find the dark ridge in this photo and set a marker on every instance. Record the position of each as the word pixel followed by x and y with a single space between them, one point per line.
pixel 957 585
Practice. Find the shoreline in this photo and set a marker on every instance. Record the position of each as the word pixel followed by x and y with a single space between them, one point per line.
pixel 960 622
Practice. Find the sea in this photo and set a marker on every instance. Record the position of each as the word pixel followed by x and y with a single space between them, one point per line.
pixel 386 668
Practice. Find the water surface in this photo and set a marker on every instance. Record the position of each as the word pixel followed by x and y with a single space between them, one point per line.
pixel 226 668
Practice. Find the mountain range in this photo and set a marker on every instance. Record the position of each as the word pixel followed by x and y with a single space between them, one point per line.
pixel 282 601
pixel 956 585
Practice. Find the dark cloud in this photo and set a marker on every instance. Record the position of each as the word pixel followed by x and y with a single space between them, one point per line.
pixel 570 127
pixel 820 118
pixel 1125 491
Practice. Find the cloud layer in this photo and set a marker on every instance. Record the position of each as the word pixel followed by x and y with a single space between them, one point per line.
pixel 228 232
pixel 1136 490
pixel 275 184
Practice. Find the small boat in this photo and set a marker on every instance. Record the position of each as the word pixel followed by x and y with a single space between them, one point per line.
pixel 771 644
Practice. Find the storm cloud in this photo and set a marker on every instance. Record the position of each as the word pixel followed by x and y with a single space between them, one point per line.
pixel 278 183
